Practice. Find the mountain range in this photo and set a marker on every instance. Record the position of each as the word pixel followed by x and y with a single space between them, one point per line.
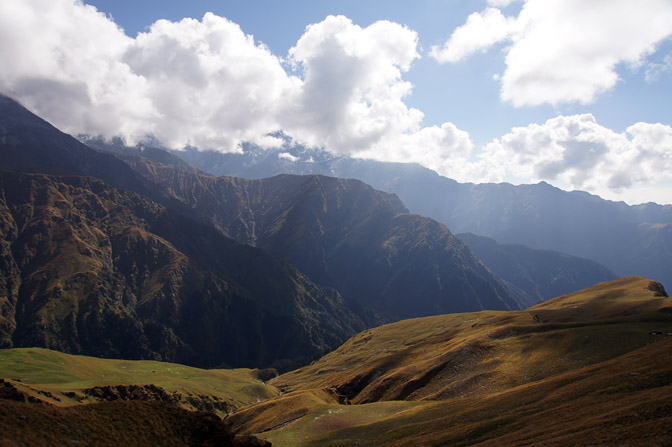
pixel 90 268
pixel 386 327
pixel 344 234
pixel 626 239
pixel 130 257
pixel 538 275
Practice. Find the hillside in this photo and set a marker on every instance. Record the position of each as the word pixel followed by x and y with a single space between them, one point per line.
pixel 627 239
pixel 51 398
pixel 111 424
pixel 90 269
pixel 588 368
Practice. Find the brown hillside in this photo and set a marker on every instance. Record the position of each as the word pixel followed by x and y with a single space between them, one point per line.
pixel 113 424
pixel 585 368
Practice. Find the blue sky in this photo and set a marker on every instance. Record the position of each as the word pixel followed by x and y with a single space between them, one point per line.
pixel 569 92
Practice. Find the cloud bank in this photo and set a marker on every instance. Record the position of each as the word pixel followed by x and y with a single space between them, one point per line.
pixel 562 51
pixel 578 153
pixel 206 83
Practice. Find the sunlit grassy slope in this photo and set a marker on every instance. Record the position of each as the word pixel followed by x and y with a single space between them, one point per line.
pixel 62 379
pixel 591 367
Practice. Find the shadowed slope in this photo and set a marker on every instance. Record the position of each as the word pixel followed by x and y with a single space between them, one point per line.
pixel 95 270
pixel 540 273
pixel 113 424
pixel 28 144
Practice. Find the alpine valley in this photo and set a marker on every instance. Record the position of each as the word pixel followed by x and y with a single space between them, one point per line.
pixel 146 299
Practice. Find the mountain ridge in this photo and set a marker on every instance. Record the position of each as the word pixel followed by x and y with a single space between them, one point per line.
pixel 628 239
pixel 540 273
pixel 324 225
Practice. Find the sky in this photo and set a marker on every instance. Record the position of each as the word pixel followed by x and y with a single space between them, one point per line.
pixel 572 92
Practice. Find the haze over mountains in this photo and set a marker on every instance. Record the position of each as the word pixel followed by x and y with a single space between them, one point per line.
pixel 627 239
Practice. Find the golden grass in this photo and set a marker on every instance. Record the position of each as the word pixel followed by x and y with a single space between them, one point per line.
pixel 35 369
pixel 580 365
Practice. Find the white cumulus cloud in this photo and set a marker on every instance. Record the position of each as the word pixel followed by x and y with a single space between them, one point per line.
pixel 444 149
pixel 203 83
pixel 352 100
pixel 211 85
pixel 63 60
pixel 563 51
pixel 576 152
pixel 481 31
pixel 207 84
pixel 353 91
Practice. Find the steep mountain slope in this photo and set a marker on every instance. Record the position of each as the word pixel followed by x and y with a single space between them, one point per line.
pixel 627 239
pixel 540 273
pixel 344 234
pixel 589 368
pixel 28 144
pixel 96 270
